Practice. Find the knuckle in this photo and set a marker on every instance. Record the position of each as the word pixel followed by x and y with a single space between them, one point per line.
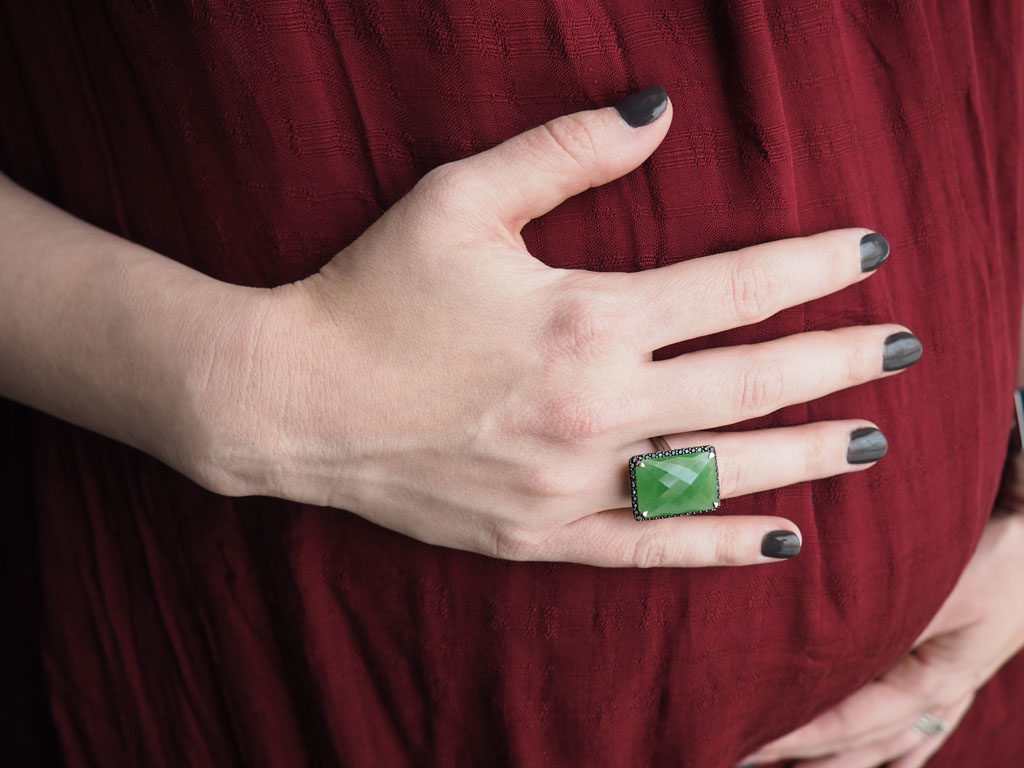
pixel 574 417
pixel 447 187
pixel 934 688
pixel 584 325
pixel 761 387
pixel 511 541
pixel 930 681
pixel 551 482
pixel 858 363
pixel 734 476
pixel 819 461
pixel 650 551
pixel 573 136
pixel 946 690
pixel 728 546
pixel 834 247
pixel 753 289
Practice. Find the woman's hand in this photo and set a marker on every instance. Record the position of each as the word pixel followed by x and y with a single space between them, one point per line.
pixel 438 380
pixel 977 630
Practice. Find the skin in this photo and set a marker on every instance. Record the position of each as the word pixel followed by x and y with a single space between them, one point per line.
pixel 977 630
pixel 489 389
pixel 512 396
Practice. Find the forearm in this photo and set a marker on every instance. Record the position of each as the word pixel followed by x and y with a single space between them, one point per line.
pixel 108 334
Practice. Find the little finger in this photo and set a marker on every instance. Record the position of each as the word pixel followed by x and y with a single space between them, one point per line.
pixel 613 539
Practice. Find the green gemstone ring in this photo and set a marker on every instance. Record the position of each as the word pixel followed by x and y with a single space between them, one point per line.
pixel 668 483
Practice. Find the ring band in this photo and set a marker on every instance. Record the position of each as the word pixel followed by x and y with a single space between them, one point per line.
pixel 660 443
pixel 930 725
pixel 669 483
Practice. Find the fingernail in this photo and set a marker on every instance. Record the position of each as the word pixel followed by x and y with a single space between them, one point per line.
pixel 643 107
pixel 867 444
pixel 901 350
pixel 874 250
pixel 780 544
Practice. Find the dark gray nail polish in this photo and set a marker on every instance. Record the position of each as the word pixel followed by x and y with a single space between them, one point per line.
pixel 780 544
pixel 867 444
pixel 901 350
pixel 643 107
pixel 874 250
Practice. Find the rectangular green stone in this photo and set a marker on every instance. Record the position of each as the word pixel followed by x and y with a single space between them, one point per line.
pixel 679 482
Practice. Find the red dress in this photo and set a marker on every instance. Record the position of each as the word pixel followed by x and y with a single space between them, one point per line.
pixel 161 625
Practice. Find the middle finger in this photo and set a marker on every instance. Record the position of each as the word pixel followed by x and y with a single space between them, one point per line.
pixel 716 387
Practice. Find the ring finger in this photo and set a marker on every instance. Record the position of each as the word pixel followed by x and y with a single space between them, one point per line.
pixel 920 755
pixel 749 462
pixel 909 748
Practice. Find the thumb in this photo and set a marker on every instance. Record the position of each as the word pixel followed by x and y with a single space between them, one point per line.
pixel 528 175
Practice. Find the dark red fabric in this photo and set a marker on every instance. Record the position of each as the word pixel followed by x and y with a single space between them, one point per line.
pixel 253 140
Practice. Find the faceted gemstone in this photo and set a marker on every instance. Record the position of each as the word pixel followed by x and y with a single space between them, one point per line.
pixel 681 484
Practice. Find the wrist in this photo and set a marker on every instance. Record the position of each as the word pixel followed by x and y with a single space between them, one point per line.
pixel 180 339
pixel 227 397
pixel 262 430
pixel 116 338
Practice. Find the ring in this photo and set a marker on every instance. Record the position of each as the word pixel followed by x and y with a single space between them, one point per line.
pixel 929 725
pixel 669 483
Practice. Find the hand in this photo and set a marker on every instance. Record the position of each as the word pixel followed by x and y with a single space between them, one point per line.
pixel 438 380
pixel 978 629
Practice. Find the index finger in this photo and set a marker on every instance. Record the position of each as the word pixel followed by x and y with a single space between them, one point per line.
pixel 715 293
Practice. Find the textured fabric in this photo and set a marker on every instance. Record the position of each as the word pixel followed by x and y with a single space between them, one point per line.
pixel 253 140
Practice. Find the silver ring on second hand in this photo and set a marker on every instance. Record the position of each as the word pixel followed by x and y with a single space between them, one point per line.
pixel 668 483
pixel 930 725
